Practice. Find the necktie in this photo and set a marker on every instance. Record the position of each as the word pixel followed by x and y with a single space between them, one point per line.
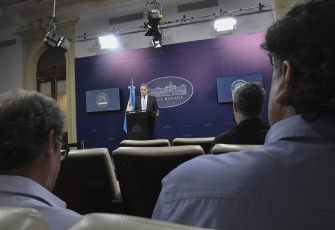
pixel 144 104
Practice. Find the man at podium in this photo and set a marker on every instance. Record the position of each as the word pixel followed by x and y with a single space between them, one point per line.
pixel 142 123
pixel 145 101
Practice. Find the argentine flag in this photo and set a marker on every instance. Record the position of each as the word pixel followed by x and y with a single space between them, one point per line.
pixel 130 105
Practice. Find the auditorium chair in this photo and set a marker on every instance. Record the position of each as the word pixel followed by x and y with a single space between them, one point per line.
pixel 19 218
pixel 145 143
pixel 141 169
pixel 205 142
pixel 125 222
pixel 87 182
pixel 226 148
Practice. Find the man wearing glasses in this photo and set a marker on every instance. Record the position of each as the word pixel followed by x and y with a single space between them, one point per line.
pixel 289 182
pixel 30 155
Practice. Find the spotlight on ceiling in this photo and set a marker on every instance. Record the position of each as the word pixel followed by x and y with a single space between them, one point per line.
pixel 108 42
pixel 154 15
pixel 51 39
pixel 225 23
pixel 54 40
pixel 64 43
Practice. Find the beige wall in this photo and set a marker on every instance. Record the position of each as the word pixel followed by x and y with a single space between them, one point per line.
pixel 282 6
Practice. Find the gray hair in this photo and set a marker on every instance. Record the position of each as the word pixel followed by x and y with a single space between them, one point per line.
pixel 249 98
pixel 143 84
pixel 26 119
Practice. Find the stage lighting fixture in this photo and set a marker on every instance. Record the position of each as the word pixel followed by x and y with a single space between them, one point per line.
pixel 54 40
pixel 225 23
pixel 64 43
pixel 51 39
pixel 108 42
pixel 157 41
pixel 154 15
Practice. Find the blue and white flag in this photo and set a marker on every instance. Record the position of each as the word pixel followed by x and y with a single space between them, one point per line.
pixel 131 103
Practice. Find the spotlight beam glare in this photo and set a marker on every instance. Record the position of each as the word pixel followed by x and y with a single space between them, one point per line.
pixel 108 42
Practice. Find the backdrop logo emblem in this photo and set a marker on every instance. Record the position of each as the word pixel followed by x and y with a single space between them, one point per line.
pixel 170 91
pixel 236 83
pixel 102 100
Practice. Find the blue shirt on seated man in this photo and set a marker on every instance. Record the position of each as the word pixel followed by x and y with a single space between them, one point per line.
pixel 288 183
pixel 30 155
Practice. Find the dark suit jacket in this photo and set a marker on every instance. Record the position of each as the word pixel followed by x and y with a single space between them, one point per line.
pixel 151 104
pixel 249 132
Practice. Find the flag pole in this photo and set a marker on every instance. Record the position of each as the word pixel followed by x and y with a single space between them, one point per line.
pixel 131 102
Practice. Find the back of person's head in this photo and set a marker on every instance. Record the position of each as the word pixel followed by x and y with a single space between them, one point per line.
pixel 249 98
pixel 26 119
pixel 305 37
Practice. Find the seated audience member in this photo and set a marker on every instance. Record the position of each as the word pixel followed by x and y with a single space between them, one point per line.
pixel 248 103
pixel 30 142
pixel 288 183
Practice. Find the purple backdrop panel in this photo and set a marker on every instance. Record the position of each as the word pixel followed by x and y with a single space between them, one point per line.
pixel 192 67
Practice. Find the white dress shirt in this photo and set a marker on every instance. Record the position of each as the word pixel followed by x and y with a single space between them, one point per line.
pixel 144 101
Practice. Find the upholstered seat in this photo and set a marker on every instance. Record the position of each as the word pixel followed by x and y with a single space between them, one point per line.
pixel 143 143
pixel 87 182
pixel 205 142
pixel 140 171
pixel 17 218
pixel 226 148
pixel 125 222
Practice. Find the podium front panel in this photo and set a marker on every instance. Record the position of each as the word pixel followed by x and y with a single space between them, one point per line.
pixel 140 125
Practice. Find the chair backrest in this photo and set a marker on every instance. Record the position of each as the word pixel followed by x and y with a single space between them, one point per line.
pixel 141 169
pixel 205 142
pixel 125 222
pixel 17 218
pixel 87 181
pixel 226 148
pixel 145 143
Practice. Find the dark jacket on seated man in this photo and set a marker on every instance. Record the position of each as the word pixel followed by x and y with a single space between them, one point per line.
pixel 249 132
pixel 248 103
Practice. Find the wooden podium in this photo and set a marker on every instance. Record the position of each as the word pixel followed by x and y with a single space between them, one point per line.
pixel 140 125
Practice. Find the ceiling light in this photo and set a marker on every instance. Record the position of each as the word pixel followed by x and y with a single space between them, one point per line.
pixel 108 42
pixel 225 24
